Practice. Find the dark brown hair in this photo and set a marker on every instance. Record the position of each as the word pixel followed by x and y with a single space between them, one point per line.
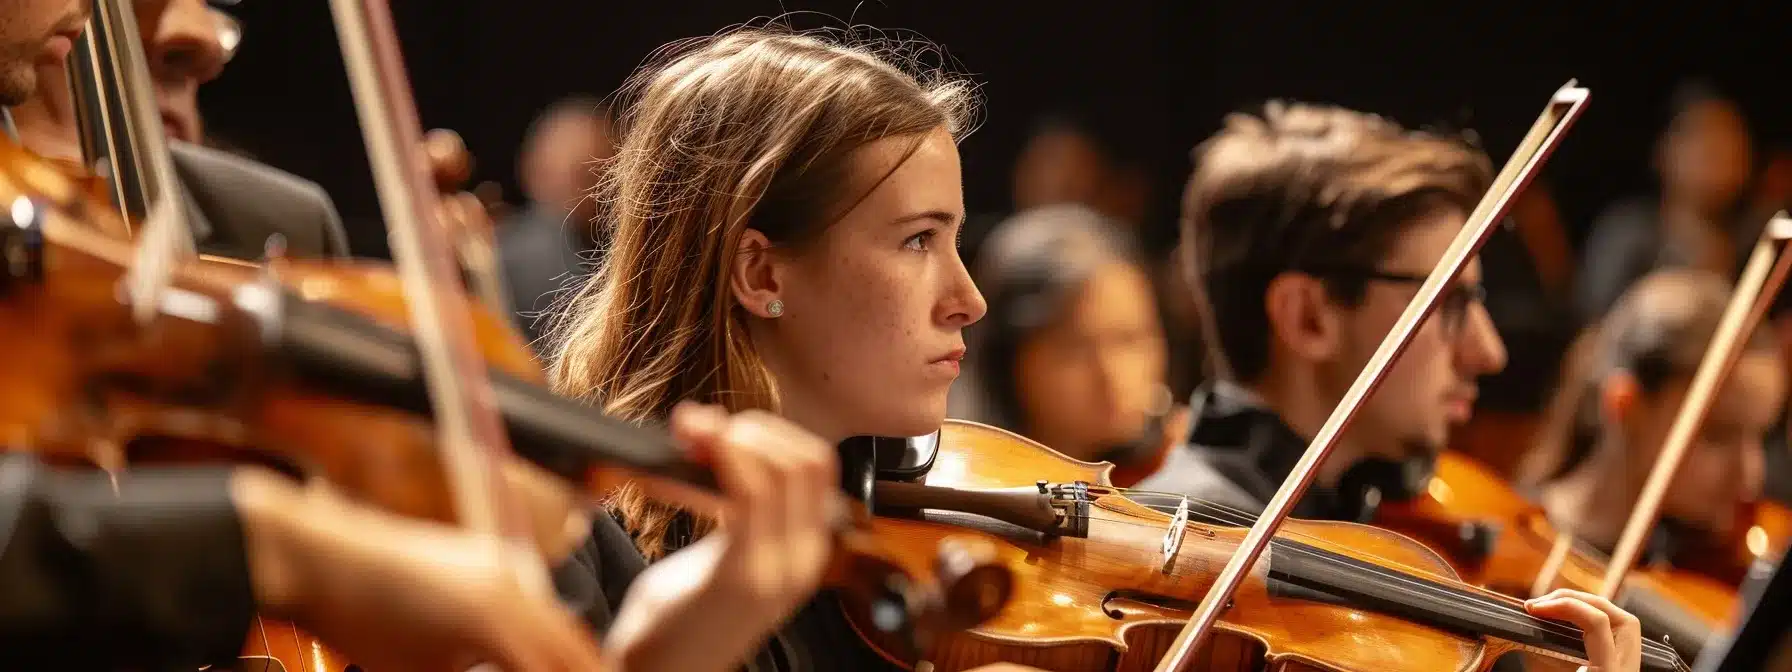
pixel 1032 268
pixel 1300 186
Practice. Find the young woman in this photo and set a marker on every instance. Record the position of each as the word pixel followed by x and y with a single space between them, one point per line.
pixel 1626 382
pixel 782 218
pixel 1072 353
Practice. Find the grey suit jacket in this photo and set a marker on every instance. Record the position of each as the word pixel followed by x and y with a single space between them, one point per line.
pixel 234 205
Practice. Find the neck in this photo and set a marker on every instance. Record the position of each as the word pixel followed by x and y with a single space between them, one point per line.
pixel 47 122
pixel 1684 210
pixel 1295 396
pixel 813 417
pixel 1593 502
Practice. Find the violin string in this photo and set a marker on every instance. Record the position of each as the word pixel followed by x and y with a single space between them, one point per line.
pixel 1502 606
pixel 1483 604
pixel 1479 604
pixel 1245 519
pixel 1493 606
pixel 1238 517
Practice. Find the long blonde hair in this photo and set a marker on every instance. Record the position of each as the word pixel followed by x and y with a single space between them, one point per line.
pixel 754 128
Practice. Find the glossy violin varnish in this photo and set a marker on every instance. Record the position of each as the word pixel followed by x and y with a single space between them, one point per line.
pixel 1106 596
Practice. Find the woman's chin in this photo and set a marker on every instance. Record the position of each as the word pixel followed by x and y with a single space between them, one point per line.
pixel 910 422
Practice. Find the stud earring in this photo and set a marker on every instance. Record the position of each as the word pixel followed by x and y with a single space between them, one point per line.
pixel 775 308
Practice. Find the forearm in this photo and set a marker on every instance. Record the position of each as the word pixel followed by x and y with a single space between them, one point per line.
pixel 151 572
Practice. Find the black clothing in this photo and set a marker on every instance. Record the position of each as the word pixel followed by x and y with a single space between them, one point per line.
pixel 152 576
pixel 817 639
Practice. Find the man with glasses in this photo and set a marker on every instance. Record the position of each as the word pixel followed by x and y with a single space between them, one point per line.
pixel 234 205
pixel 1309 229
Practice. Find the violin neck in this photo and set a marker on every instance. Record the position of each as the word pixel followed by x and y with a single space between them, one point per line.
pixel 1305 572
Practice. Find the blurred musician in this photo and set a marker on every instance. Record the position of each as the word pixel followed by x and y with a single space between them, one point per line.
pixel 233 204
pixel 1625 384
pixel 1072 353
pixel 165 567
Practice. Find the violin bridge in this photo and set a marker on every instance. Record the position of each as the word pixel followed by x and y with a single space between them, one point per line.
pixel 1173 536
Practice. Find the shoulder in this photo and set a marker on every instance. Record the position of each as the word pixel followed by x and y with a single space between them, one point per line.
pixel 249 201
pixel 526 238
pixel 225 168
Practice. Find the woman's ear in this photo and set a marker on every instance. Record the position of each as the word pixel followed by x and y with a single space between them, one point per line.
pixel 1301 318
pixel 757 275
pixel 1619 395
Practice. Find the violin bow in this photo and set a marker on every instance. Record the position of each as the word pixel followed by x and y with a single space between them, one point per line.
pixel 1545 135
pixel 1761 280
pixel 121 126
pixel 470 436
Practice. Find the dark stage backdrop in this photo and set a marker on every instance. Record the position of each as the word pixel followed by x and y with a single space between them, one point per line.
pixel 1159 74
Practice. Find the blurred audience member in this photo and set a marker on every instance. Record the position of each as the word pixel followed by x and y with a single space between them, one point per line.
pixel 1071 353
pixel 550 239
pixel 1066 162
pixel 1703 161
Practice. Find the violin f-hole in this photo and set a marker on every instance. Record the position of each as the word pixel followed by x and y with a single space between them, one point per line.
pixel 1119 611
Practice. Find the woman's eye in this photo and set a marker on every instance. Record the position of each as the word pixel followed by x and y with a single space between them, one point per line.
pixel 920 241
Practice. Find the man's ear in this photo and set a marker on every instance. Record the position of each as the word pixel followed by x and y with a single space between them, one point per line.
pixel 757 276
pixel 1302 317
pixel 1619 395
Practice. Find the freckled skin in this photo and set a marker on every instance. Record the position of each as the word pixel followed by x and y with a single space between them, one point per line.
pixel 875 301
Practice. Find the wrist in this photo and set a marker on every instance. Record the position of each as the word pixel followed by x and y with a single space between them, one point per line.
pixel 271 509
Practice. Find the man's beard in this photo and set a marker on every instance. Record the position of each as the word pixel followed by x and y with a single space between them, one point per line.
pixel 18 81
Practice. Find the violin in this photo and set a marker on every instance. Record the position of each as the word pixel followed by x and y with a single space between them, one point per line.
pixel 1108 575
pixel 1762 531
pixel 1495 538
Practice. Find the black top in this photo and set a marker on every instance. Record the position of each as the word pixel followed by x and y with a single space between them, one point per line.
pixel 1239 451
pixel 152 575
pixel 817 639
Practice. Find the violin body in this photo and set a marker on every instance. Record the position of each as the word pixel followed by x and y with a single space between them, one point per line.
pixel 1110 598
pixel 1760 534
pixel 277 646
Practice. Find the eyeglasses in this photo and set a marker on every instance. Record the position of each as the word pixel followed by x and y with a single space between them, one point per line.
pixel 1452 308
pixel 230 31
